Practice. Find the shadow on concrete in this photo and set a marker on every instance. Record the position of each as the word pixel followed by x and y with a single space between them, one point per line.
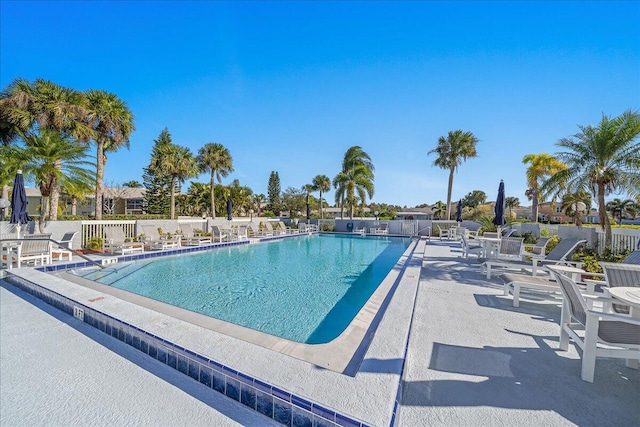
pixel 534 378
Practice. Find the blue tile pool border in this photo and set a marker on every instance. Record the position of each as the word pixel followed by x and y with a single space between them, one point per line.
pixel 271 401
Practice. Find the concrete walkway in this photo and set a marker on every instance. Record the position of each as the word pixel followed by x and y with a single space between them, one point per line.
pixel 58 371
pixel 473 360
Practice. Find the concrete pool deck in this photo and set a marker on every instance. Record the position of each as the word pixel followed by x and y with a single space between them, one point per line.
pixel 472 360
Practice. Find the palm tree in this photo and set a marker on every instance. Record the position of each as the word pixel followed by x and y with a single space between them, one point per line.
pixel 542 166
pixel 457 147
pixel 112 122
pixel 321 183
pixel 257 200
pixel 439 209
pixel 624 208
pixel 56 162
pixel 511 202
pixel 570 202
pixel 178 163
pixel 356 177
pixel 199 197
pixel 216 159
pixel 604 159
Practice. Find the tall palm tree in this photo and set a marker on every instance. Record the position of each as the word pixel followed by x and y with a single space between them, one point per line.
pixel 177 162
pixel 356 178
pixel 541 167
pixel 321 183
pixel 216 159
pixel 56 162
pixel 439 209
pixel 569 204
pixel 112 122
pixel 257 200
pixel 625 208
pixel 457 147
pixel 604 159
pixel 511 202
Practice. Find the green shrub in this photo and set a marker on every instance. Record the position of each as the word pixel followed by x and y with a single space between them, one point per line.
pixel 552 243
pixel 94 243
pixel 327 227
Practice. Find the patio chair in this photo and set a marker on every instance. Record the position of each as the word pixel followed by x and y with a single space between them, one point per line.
pixel 620 274
pixel 33 250
pixel 158 242
pixel 287 230
pixel 598 334
pixel 361 228
pixel 219 235
pixel 253 230
pixel 469 248
pixel 116 241
pixel 9 247
pixel 382 229
pixel 447 233
pixel 539 248
pixel 559 255
pixel 239 233
pixel 190 237
pixel 62 250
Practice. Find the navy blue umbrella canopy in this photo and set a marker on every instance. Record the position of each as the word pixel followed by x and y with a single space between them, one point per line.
pixel 459 211
pixel 19 201
pixel 229 208
pixel 500 207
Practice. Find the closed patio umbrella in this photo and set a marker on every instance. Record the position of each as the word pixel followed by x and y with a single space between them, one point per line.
pixel 500 206
pixel 229 208
pixel 459 211
pixel 19 201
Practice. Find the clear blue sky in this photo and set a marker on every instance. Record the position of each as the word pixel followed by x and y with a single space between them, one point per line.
pixel 290 86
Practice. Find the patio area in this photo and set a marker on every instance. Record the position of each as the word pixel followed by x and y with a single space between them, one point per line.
pixel 472 359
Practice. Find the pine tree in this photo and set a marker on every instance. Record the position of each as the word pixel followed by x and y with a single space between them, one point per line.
pixel 157 194
pixel 273 193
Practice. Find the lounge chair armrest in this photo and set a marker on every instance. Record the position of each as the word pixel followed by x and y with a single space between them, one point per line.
pixel 613 316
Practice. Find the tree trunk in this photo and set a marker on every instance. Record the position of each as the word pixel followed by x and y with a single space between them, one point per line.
pixel 55 194
pixel 74 206
pixel 449 191
pixel 44 212
pixel 173 196
pixel 5 192
pixel 213 202
pixel 321 209
pixel 534 204
pixel 604 218
pixel 99 178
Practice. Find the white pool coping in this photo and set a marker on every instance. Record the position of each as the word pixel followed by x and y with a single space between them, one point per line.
pixel 370 396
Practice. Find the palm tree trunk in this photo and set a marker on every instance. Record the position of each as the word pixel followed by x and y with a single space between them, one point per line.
pixel 213 202
pixel 44 212
pixel 99 178
pixel 604 218
pixel 74 206
pixel 321 210
pixel 173 196
pixel 55 195
pixel 5 192
pixel 449 191
pixel 534 204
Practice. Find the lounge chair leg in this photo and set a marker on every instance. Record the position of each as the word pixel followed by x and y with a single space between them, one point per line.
pixel 505 288
pixel 516 295
pixel 589 351
pixel 564 335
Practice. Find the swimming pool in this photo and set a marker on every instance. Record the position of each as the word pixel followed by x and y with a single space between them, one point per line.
pixel 306 289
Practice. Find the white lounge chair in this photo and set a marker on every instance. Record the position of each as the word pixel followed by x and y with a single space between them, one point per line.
pixel 287 230
pixel 598 334
pixel 621 274
pixel 62 250
pixel 115 241
pixel 383 228
pixel 469 248
pixel 35 249
pixel 558 255
pixel 218 235
pixel 158 242
pixel 192 237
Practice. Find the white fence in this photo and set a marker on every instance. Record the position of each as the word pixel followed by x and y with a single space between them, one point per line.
pixel 92 229
pixel 622 239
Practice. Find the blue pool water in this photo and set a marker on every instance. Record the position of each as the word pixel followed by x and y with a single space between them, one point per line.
pixel 305 289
